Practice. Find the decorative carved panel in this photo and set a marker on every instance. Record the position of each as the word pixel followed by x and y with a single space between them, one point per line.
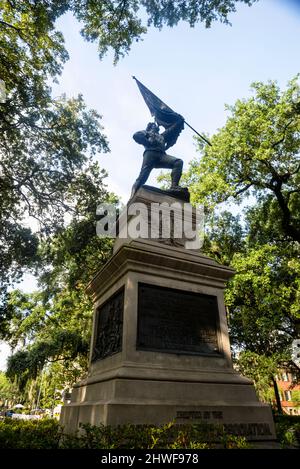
pixel 109 327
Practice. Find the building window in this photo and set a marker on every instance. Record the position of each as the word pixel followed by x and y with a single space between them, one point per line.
pixel 285 376
pixel 287 395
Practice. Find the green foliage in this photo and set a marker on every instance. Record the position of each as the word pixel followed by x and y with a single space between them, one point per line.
pixel 54 324
pixel 26 363
pixel 261 369
pixel 224 237
pixel 256 152
pixel 8 390
pixel 296 396
pixel 47 144
pixel 58 330
pixel 113 24
pixel 117 24
pixel 29 434
pixel 263 298
pixel 47 434
pixel 288 430
pixel 169 436
pixel 47 172
pixel 170 13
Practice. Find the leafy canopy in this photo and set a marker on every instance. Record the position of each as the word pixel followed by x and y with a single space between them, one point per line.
pixel 257 153
pixel 47 145
pixel 114 24
pixel 263 297
pixel 117 24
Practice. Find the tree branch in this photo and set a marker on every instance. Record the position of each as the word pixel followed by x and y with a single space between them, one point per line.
pixel 244 189
pixel 287 225
pixel 10 26
pixel 284 134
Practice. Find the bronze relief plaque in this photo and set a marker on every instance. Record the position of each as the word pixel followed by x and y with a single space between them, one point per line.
pixel 109 327
pixel 177 321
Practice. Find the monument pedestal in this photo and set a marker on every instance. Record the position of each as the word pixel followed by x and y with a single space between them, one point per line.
pixel 160 348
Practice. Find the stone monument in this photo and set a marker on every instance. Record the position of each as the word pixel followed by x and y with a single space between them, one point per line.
pixel 160 349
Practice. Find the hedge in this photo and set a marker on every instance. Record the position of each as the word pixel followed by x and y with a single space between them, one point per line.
pixel 48 434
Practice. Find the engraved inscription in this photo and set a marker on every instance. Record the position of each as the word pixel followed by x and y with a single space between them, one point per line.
pixel 199 414
pixel 248 429
pixel 242 429
pixel 176 321
pixel 109 327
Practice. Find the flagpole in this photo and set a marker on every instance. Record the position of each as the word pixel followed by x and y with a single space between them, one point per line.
pixel 201 136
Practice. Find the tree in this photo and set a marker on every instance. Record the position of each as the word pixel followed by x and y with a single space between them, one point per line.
pixel 53 325
pixel 9 393
pixel 262 370
pixel 117 24
pixel 263 296
pixel 257 153
pixel 47 145
pixel 224 236
pixel 262 299
pixel 47 171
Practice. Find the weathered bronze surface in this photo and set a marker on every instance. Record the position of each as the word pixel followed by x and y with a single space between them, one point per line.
pixel 155 155
pixel 109 327
pixel 177 321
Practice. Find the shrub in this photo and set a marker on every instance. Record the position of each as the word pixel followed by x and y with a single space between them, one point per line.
pixel 30 434
pixel 169 436
pixel 288 430
pixel 48 434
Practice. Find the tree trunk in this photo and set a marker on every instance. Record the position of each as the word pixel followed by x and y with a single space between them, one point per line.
pixel 277 396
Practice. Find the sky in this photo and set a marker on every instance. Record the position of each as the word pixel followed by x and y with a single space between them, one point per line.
pixel 195 71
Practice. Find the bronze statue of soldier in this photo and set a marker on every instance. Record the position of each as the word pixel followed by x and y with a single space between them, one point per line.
pixel 155 155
